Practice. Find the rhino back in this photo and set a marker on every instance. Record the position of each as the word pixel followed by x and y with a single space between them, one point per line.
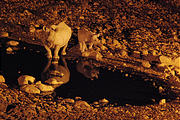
pixel 62 35
pixel 84 35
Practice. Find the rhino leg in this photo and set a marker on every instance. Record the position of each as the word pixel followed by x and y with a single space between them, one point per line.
pixel 64 50
pixel 84 47
pixel 49 54
pixel 90 45
pixel 56 51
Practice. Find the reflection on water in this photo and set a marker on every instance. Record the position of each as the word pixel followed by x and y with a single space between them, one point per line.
pixel 87 69
pixel 56 72
pixel 114 86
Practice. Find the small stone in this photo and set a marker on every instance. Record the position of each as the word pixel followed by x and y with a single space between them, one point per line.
pixel 68 100
pixel 32 29
pixel 12 43
pixel 154 52
pixel 4 34
pixel 162 102
pixel 165 60
pixel 177 71
pixel 177 62
pixel 78 98
pixel 146 64
pixel 9 49
pixel 160 89
pixel 30 89
pixel 43 87
pixel 53 81
pixel 81 17
pixel 25 79
pixel 104 101
pixel 82 105
pixel 136 54
pixel 123 53
pixel 2 79
pixel 145 52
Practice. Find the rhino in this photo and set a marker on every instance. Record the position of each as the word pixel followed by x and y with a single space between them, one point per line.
pixel 59 36
pixel 87 38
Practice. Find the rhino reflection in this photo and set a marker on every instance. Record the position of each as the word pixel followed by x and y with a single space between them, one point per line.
pixel 56 73
pixel 87 69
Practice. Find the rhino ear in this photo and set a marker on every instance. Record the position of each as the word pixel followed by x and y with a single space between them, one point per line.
pixel 46 29
pixel 53 27
pixel 98 35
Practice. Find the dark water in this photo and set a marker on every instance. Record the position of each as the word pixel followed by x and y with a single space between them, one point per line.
pixel 112 85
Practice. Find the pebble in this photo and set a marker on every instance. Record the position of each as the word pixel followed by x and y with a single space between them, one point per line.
pixel 136 54
pixel 154 52
pixel 145 52
pixel 177 71
pixel 43 87
pixel 25 79
pixel 146 64
pixel 32 29
pixel 4 34
pixel 103 101
pixel 160 89
pixel 9 49
pixel 165 60
pixel 2 79
pixel 12 43
pixel 176 62
pixel 82 105
pixel 162 102
pixel 53 81
pixel 30 89
pixel 123 53
pixel 68 100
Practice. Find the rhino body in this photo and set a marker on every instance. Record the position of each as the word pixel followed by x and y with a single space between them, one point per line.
pixel 59 36
pixel 86 38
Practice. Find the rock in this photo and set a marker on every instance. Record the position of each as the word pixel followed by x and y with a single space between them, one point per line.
pixel 53 81
pixel 4 34
pixel 9 49
pixel 68 100
pixel 154 52
pixel 82 105
pixel 4 104
pixel 177 71
pixel 123 53
pixel 146 64
pixel 25 79
pixel 104 101
pixel 162 102
pixel 92 54
pixel 161 89
pixel 161 67
pixel 30 89
pixel 165 60
pixel 136 54
pixel 2 79
pixel 144 52
pixel 176 62
pixel 12 43
pixel 43 87
pixel 32 29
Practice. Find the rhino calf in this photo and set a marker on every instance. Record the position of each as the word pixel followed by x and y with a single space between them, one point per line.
pixel 85 38
pixel 59 35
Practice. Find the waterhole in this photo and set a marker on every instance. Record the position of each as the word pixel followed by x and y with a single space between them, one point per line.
pixel 116 86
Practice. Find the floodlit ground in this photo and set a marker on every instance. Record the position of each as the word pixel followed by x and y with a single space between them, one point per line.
pixel 139 39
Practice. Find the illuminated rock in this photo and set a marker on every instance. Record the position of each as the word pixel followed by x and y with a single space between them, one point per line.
pixel 43 87
pixel 2 79
pixel 25 79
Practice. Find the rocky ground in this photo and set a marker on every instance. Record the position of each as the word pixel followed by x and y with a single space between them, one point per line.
pixel 142 36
